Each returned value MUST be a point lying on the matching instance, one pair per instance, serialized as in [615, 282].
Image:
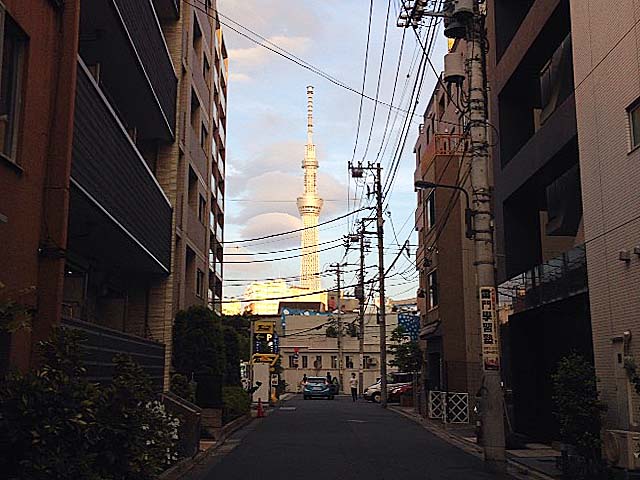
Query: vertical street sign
[490, 346]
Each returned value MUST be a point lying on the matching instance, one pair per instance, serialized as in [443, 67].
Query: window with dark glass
[13, 48]
[334, 361]
[202, 208]
[432, 280]
[431, 210]
[349, 361]
[203, 137]
[199, 283]
[305, 361]
[634, 123]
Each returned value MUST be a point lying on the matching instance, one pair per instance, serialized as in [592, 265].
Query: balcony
[167, 9]
[219, 233]
[102, 344]
[446, 145]
[557, 279]
[118, 210]
[196, 230]
[124, 40]
[198, 155]
[199, 80]
[220, 200]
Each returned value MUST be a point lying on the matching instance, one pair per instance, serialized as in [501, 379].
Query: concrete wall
[606, 70]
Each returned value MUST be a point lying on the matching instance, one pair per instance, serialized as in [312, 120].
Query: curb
[515, 469]
[185, 465]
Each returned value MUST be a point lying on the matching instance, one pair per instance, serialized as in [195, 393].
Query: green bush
[232, 357]
[236, 403]
[181, 386]
[579, 414]
[138, 439]
[57, 425]
[48, 418]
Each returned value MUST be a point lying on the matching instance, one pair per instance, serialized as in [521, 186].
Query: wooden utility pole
[361, 297]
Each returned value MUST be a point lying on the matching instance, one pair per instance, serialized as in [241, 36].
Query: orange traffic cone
[260, 409]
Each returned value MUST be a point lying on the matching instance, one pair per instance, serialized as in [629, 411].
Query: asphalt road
[341, 440]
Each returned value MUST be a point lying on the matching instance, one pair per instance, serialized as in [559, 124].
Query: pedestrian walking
[302, 383]
[329, 379]
[353, 383]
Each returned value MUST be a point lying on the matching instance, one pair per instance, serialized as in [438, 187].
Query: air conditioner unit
[621, 448]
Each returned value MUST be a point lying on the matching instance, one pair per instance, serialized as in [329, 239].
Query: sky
[266, 134]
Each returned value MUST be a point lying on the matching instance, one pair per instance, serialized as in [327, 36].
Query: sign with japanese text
[263, 326]
[488, 329]
[270, 358]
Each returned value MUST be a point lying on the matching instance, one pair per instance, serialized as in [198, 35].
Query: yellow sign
[263, 327]
[270, 358]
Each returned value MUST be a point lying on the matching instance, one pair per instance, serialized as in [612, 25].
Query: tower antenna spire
[309, 115]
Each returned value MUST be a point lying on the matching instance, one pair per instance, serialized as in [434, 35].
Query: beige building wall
[607, 82]
[315, 343]
[266, 297]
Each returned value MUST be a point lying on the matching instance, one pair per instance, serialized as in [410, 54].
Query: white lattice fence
[436, 404]
[450, 407]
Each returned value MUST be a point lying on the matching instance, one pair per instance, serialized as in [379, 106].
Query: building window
[349, 362]
[202, 208]
[305, 361]
[206, 69]
[366, 361]
[432, 280]
[293, 361]
[203, 137]
[199, 283]
[12, 46]
[431, 210]
[334, 361]
[634, 123]
[317, 363]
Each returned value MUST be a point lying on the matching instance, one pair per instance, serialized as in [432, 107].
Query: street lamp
[468, 213]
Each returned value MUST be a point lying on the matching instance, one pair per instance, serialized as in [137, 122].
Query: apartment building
[196, 176]
[607, 96]
[124, 206]
[307, 350]
[450, 328]
[539, 232]
[38, 75]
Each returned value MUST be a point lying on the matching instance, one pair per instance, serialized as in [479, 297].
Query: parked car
[396, 379]
[318, 387]
[396, 392]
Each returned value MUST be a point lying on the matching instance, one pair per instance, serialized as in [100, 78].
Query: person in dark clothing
[329, 379]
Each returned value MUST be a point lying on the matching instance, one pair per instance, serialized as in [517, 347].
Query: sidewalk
[536, 461]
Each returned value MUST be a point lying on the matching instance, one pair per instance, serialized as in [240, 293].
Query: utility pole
[362, 299]
[383, 319]
[339, 322]
[465, 19]
[357, 172]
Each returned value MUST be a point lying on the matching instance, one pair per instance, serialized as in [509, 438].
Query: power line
[286, 54]
[284, 250]
[296, 230]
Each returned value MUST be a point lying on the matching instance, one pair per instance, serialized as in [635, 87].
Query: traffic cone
[260, 409]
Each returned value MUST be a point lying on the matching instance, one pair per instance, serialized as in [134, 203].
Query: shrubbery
[55, 424]
[183, 387]
[236, 403]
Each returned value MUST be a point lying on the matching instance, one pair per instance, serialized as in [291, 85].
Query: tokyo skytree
[309, 206]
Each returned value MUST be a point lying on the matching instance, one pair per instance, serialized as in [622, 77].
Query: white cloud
[239, 77]
[256, 56]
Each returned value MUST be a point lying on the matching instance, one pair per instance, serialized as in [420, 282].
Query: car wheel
[376, 397]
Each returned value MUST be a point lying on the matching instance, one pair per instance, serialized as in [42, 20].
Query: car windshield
[316, 380]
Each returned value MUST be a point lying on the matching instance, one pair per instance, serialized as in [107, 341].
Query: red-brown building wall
[34, 192]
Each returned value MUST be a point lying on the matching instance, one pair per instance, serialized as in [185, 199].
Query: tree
[242, 326]
[406, 352]
[232, 357]
[198, 343]
[578, 409]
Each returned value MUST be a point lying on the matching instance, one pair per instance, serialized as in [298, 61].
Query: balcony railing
[220, 200]
[447, 145]
[198, 78]
[110, 170]
[144, 29]
[556, 279]
[102, 344]
[218, 232]
[196, 231]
